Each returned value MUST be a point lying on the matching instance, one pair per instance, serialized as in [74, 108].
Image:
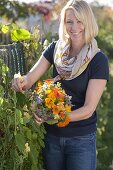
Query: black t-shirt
[97, 69]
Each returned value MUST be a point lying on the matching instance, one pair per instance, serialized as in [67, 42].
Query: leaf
[21, 99]
[33, 167]
[19, 118]
[51, 122]
[14, 26]
[5, 29]
[5, 68]
[41, 143]
[28, 133]
[33, 154]
[1, 101]
[20, 141]
[1, 91]
[20, 34]
[42, 128]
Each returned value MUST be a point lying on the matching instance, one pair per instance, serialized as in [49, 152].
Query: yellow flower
[48, 91]
[68, 108]
[52, 96]
[48, 102]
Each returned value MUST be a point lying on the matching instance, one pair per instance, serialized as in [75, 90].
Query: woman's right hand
[19, 83]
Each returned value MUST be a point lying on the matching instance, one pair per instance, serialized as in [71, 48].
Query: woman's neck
[76, 48]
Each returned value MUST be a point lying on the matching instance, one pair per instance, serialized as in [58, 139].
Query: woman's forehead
[70, 14]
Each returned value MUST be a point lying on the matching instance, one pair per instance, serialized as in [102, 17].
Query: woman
[83, 71]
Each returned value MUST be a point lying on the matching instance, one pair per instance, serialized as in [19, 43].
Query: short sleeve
[99, 67]
[49, 51]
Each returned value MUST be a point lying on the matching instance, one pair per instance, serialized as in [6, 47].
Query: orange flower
[61, 98]
[56, 92]
[61, 106]
[55, 109]
[48, 81]
[64, 123]
[62, 114]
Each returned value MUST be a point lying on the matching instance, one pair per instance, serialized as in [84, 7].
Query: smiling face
[74, 27]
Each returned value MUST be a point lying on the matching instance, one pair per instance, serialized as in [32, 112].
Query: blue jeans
[75, 153]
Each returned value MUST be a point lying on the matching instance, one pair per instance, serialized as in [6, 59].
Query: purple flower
[39, 100]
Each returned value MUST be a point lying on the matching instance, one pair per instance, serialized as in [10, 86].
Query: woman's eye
[78, 21]
[69, 22]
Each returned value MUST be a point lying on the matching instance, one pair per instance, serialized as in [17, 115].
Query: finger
[16, 85]
[23, 85]
[19, 84]
[38, 118]
[39, 123]
[13, 85]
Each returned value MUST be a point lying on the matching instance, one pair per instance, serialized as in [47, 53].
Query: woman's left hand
[38, 119]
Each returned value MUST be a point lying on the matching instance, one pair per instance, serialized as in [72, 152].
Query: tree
[12, 10]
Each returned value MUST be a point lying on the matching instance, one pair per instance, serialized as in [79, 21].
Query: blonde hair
[84, 13]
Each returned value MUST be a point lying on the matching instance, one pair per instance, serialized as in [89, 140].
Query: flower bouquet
[51, 103]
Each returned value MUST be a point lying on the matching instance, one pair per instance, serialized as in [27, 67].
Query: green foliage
[21, 139]
[31, 43]
[105, 110]
[105, 132]
[12, 10]
[17, 34]
[20, 34]
[104, 16]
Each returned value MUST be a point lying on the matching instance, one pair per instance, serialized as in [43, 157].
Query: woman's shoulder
[52, 44]
[100, 57]
[99, 67]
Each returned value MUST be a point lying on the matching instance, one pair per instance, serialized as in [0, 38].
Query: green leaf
[28, 133]
[14, 26]
[41, 143]
[5, 29]
[1, 91]
[20, 34]
[20, 141]
[51, 122]
[19, 118]
[34, 136]
[33, 167]
[42, 128]
[1, 101]
[33, 153]
[5, 68]
[21, 99]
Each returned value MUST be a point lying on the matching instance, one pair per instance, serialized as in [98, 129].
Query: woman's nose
[74, 26]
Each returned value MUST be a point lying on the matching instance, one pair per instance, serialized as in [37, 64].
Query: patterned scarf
[69, 68]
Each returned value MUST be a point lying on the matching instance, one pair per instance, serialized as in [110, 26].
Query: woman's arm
[34, 74]
[38, 70]
[93, 94]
